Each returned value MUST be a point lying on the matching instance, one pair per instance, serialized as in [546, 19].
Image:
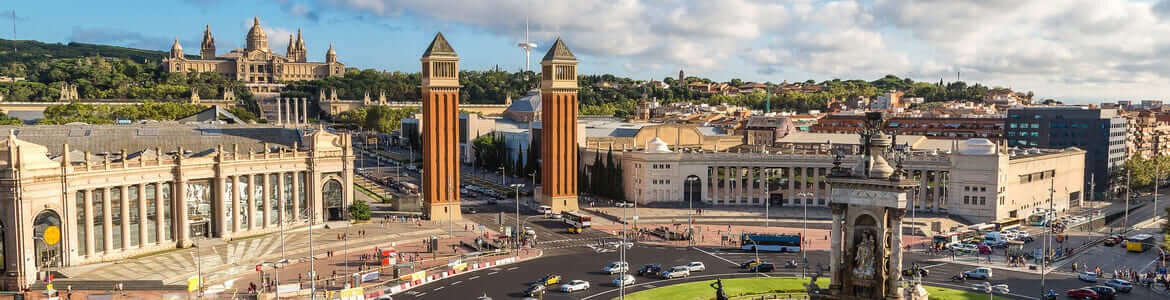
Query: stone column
[218, 225]
[296, 201]
[251, 201]
[790, 193]
[107, 219]
[125, 216]
[280, 198]
[279, 118]
[266, 194]
[937, 192]
[235, 197]
[180, 205]
[159, 216]
[922, 186]
[305, 110]
[895, 271]
[287, 114]
[835, 244]
[89, 222]
[142, 219]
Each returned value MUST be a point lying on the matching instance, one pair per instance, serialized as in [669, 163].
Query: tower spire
[207, 48]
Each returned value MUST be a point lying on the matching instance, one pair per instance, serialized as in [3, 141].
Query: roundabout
[739, 286]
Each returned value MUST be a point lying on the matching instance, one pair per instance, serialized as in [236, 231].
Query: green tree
[359, 210]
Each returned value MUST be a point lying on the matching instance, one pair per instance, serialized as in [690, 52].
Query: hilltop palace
[261, 69]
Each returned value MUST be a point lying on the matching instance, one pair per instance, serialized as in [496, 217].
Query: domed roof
[176, 46]
[256, 31]
[977, 147]
[656, 145]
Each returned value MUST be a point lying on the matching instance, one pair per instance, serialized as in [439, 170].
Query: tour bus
[576, 221]
[770, 242]
[955, 236]
[1139, 243]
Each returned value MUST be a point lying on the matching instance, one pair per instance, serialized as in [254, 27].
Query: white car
[675, 272]
[616, 267]
[624, 204]
[529, 231]
[1087, 276]
[616, 244]
[575, 285]
[624, 280]
[964, 248]
[696, 266]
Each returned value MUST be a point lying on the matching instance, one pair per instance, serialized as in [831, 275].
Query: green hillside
[34, 50]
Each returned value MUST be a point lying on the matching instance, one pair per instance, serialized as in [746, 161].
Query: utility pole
[1047, 240]
[1125, 221]
[312, 261]
[767, 198]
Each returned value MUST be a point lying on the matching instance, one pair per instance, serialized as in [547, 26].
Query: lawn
[702, 290]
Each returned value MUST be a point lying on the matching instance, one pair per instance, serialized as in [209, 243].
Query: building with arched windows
[83, 194]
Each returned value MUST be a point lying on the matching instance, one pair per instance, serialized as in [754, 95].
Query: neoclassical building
[261, 69]
[975, 179]
[82, 194]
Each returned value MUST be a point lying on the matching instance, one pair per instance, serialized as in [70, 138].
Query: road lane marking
[457, 282]
[473, 277]
[934, 265]
[438, 288]
[493, 273]
[419, 295]
[716, 256]
[513, 268]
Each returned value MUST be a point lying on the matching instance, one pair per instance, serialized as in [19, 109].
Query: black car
[534, 290]
[749, 264]
[649, 270]
[470, 210]
[762, 268]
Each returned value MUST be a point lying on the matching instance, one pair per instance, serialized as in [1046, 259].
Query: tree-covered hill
[33, 50]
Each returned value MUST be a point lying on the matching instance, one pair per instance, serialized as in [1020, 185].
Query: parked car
[749, 264]
[616, 267]
[1120, 285]
[1087, 276]
[549, 279]
[470, 210]
[623, 204]
[575, 285]
[649, 270]
[696, 266]
[978, 273]
[964, 248]
[675, 272]
[529, 231]
[534, 290]
[1103, 292]
[762, 268]
[1081, 294]
[623, 280]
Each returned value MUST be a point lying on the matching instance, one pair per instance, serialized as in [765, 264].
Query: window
[80, 200]
[982, 200]
[116, 216]
[135, 218]
[151, 196]
[966, 199]
[966, 189]
[983, 189]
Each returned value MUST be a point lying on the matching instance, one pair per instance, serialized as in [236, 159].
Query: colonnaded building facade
[261, 69]
[82, 194]
[975, 178]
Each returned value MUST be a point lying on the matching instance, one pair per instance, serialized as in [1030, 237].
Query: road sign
[52, 235]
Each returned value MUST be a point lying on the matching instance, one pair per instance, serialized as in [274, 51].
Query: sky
[1070, 50]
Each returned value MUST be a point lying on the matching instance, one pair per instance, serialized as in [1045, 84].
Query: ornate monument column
[870, 198]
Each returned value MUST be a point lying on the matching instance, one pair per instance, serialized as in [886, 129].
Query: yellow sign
[49, 287]
[52, 235]
[193, 283]
[459, 267]
[416, 276]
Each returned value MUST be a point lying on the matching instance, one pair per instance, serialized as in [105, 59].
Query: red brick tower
[558, 138]
[440, 131]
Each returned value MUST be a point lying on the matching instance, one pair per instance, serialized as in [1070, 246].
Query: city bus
[770, 242]
[1139, 243]
[1042, 218]
[576, 221]
[1008, 223]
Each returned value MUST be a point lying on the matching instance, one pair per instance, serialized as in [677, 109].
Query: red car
[1081, 294]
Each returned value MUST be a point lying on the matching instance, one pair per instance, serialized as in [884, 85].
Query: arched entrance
[693, 189]
[47, 239]
[332, 197]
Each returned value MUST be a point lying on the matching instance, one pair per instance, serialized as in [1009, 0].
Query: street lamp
[275, 275]
[502, 179]
[516, 187]
[804, 232]
[691, 208]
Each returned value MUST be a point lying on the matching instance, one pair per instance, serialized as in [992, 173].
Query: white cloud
[1051, 46]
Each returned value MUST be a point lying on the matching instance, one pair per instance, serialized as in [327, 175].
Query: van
[544, 210]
